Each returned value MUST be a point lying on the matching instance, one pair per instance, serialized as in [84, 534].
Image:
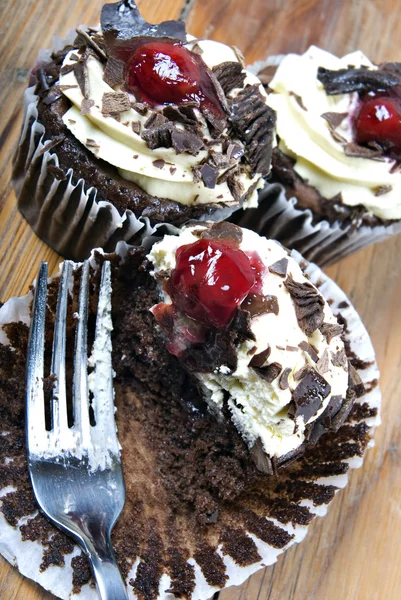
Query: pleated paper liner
[277, 217]
[162, 553]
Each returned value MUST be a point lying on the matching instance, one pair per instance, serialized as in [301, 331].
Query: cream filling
[263, 413]
[305, 135]
[116, 142]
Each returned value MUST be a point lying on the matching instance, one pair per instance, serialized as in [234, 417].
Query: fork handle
[108, 578]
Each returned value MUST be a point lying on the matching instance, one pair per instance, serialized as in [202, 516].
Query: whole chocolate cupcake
[230, 364]
[136, 124]
[338, 154]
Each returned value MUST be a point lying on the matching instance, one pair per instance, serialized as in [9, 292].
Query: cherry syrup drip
[209, 282]
[166, 73]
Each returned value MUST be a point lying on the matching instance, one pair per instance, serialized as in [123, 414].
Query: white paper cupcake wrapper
[67, 214]
[324, 243]
[27, 555]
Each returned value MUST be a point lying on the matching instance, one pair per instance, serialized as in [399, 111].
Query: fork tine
[80, 394]
[35, 411]
[59, 393]
[101, 380]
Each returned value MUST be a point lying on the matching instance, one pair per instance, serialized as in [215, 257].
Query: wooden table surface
[353, 553]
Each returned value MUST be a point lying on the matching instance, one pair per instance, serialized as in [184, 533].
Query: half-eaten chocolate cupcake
[220, 413]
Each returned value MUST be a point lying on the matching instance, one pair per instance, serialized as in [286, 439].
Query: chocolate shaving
[114, 103]
[260, 458]
[259, 359]
[355, 382]
[91, 143]
[136, 127]
[186, 141]
[339, 359]
[345, 81]
[209, 176]
[155, 120]
[180, 114]
[334, 119]
[159, 164]
[301, 372]
[167, 135]
[308, 305]
[88, 40]
[63, 71]
[309, 394]
[86, 106]
[357, 151]
[223, 231]
[81, 75]
[257, 304]
[230, 75]
[291, 348]
[270, 372]
[140, 108]
[323, 363]
[309, 350]
[283, 381]
[253, 122]
[340, 417]
[279, 267]
[298, 100]
[383, 189]
[113, 73]
[330, 330]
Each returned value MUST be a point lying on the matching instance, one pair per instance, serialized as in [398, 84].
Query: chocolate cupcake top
[337, 118]
[239, 314]
[180, 117]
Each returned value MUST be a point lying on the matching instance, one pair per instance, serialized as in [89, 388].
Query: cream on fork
[76, 469]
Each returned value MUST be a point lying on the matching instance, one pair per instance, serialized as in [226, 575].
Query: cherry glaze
[165, 73]
[210, 280]
[379, 120]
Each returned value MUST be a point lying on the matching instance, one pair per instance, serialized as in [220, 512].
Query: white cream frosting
[305, 135]
[263, 413]
[115, 141]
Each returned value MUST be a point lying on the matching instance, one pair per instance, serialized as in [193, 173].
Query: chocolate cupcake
[218, 483]
[335, 184]
[134, 124]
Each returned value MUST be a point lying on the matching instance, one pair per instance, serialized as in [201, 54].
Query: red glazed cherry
[210, 280]
[164, 73]
[379, 120]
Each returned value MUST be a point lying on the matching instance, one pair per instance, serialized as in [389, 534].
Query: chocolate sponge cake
[203, 511]
[133, 124]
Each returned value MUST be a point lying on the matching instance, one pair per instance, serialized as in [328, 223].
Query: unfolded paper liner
[27, 555]
[277, 217]
[67, 214]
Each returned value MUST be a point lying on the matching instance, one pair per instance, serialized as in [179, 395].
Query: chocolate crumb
[279, 267]
[159, 164]
[283, 381]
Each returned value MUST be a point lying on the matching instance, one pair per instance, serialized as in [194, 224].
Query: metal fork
[76, 471]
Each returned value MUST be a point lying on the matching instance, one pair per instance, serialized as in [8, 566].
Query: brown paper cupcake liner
[262, 524]
[277, 217]
[67, 214]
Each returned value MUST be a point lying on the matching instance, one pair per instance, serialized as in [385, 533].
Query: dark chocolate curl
[123, 27]
[345, 81]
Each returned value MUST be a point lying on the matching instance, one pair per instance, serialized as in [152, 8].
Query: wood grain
[353, 553]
